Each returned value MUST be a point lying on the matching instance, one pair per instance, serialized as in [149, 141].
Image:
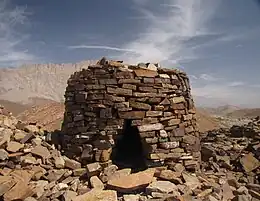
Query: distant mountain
[245, 113]
[221, 110]
[43, 81]
[206, 102]
[28, 83]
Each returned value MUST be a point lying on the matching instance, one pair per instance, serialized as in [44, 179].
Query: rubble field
[34, 168]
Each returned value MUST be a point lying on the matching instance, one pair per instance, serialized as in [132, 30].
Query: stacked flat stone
[99, 99]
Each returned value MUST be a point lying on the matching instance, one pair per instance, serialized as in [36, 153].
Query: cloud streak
[100, 47]
[11, 39]
[166, 35]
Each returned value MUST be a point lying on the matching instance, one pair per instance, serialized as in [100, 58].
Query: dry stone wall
[156, 101]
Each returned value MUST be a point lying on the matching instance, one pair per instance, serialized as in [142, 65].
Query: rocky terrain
[33, 167]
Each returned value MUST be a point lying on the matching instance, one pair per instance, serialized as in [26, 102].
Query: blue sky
[215, 41]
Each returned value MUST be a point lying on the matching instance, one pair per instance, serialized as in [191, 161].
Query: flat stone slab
[162, 187]
[97, 195]
[132, 182]
[150, 127]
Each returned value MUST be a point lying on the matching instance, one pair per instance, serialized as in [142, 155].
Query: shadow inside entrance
[128, 151]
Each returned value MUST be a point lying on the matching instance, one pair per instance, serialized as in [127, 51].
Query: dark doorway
[128, 151]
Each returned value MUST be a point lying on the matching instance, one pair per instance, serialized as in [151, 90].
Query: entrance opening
[128, 151]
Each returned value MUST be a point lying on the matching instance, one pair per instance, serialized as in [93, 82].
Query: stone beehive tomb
[136, 116]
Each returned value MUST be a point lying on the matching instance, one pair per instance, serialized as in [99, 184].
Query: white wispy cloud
[100, 47]
[208, 77]
[166, 34]
[236, 84]
[11, 39]
[204, 77]
[172, 32]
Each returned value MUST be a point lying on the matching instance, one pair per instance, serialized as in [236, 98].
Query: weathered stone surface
[97, 195]
[191, 181]
[173, 122]
[71, 164]
[93, 169]
[169, 145]
[19, 135]
[31, 129]
[131, 197]
[139, 105]
[96, 183]
[154, 113]
[132, 182]
[120, 173]
[41, 151]
[178, 132]
[69, 195]
[162, 187]
[19, 192]
[170, 176]
[249, 162]
[150, 127]
[59, 162]
[178, 99]
[6, 183]
[132, 115]
[3, 154]
[14, 146]
[145, 73]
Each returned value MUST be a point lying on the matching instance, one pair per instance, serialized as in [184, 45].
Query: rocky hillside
[245, 113]
[46, 81]
[49, 115]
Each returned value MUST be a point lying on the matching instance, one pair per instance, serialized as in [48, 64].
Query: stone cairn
[100, 99]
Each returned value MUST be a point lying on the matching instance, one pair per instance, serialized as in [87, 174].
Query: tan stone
[5, 135]
[138, 105]
[105, 155]
[97, 195]
[120, 173]
[96, 183]
[145, 73]
[22, 176]
[19, 135]
[31, 128]
[14, 146]
[178, 99]
[41, 151]
[157, 156]
[93, 169]
[154, 113]
[3, 154]
[71, 164]
[129, 81]
[132, 182]
[162, 187]
[170, 176]
[132, 115]
[6, 183]
[150, 127]
[173, 122]
[249, 162]
[19, 192]
[191, 181]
